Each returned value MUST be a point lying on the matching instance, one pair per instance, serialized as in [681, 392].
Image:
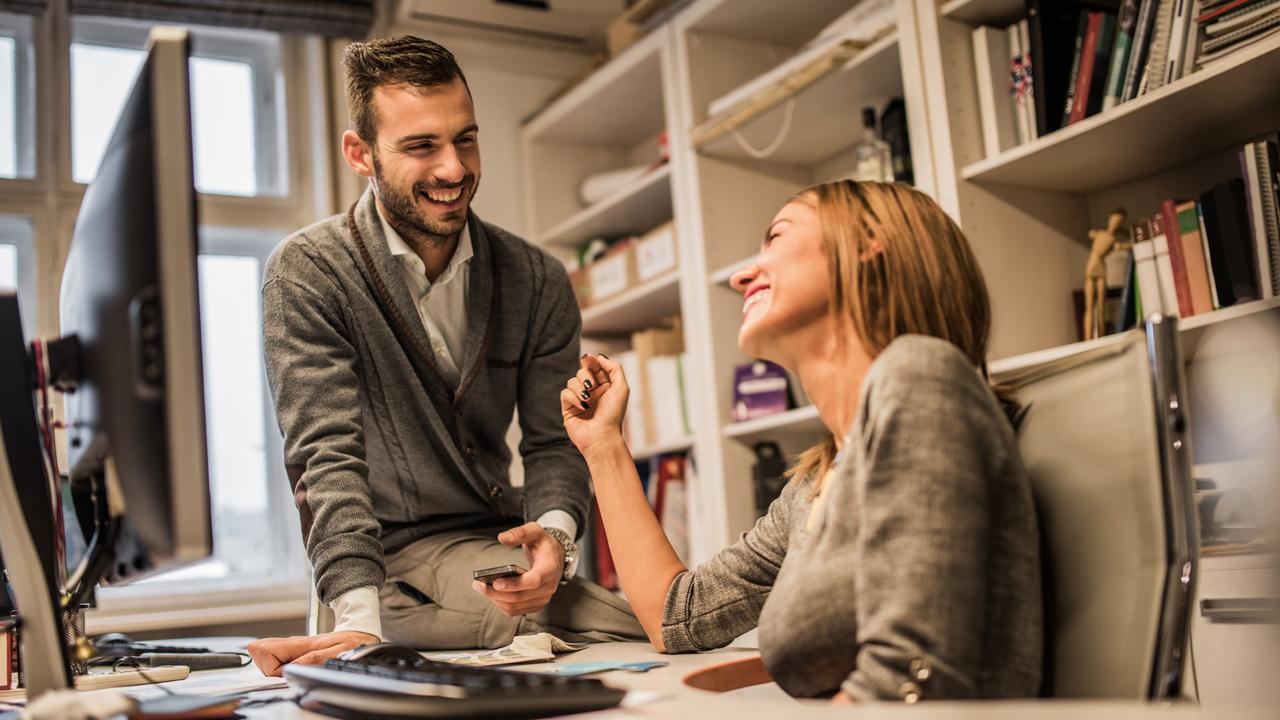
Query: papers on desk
[541, 647]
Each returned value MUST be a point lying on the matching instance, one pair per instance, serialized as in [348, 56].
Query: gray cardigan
[919, 574]
[379, 448]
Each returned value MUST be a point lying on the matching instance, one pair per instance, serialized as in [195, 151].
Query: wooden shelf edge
[557, 235]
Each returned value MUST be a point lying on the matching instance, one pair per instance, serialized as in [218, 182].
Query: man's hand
[272, 654]
[530, 592]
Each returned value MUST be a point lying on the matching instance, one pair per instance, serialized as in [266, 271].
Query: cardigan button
[921, 670]
[470, 452]
[495, 492]
[909, 692]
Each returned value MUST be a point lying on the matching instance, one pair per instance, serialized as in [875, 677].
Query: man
[400, 337]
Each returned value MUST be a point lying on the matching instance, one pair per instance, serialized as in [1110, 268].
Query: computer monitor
[130, 358]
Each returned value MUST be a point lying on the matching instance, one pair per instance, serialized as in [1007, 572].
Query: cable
[45, 423]
[133, 663]
[773, 146]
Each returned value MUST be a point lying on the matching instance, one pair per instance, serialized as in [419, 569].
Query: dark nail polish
[585, 395]
[586, 384]
[586, 405]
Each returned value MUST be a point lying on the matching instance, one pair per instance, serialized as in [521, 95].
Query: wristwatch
[570, 553]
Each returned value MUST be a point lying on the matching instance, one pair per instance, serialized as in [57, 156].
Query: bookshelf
[648, 452]
[1026, 212]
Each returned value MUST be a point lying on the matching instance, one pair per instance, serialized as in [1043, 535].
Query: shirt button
[921, 670]
[495, 492]
[909, 692]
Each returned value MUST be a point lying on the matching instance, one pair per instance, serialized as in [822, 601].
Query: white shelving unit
[1026, 212]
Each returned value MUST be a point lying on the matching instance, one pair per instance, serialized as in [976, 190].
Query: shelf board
[760, 20]
[636, 308]
[651, 451]
[618, 105]
[632, 210]
[827, 114]
[802, 423]
[724, 274]
[984, 12]
[1188, 329]
[1229, 102]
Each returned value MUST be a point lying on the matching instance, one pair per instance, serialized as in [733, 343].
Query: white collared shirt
[442, 307]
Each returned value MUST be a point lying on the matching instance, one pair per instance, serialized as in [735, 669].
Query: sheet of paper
[590, 668]
[541, 647]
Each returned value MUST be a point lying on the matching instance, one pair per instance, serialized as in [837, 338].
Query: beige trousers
[428, 602]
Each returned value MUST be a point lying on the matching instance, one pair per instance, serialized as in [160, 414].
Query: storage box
[580, 279]
[656, 252]
[613, 274]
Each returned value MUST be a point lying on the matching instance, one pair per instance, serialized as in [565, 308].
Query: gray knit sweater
[919, 573]
[379, 448]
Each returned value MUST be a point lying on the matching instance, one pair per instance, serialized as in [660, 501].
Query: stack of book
[657, 413]
[1070, 59]
[1214, 251]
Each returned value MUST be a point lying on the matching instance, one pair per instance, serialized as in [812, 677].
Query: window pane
[223, 126]
[9, 268]
[101, 78]
[8, 107]
[234, 402]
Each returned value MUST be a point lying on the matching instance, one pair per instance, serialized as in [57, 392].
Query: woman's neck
[831, 370]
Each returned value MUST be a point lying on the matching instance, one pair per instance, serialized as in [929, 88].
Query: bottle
[874, 158]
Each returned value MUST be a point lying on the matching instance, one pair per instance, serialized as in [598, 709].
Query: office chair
[1104, 440]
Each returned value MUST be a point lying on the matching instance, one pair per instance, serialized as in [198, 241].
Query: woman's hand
[594, 401]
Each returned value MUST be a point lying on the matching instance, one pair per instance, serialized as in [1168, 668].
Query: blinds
[329, 18]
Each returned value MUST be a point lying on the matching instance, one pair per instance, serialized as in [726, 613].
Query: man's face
[426, 158]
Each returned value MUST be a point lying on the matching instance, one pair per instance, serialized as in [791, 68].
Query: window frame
[19, 231]
[21, 28]
[51, 200]
[271, 158]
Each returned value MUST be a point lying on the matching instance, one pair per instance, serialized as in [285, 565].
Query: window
[18, 267]
[17, 97]
[236, 97]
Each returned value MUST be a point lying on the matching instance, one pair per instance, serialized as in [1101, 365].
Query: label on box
[609, 276]
[759, 388]
[656, 253]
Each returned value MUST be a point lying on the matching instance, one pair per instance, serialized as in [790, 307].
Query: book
[1230, 254]
[1257, 173]
[1051, 30]
[606, 573]
[993, 70]
[1237, 29]
[635, 423]
[666, 395]
[1086, 37]
[1177, 262]
[664, 340]
[1028, 91]
[1193, 257]
[1144, 262]
[1097, 80]
[1128, 293]
[1269, 159]
[669, 505]
[1164, 266]
[1178, 31]
[1208, 261]
[1159, 54]
[1141, 45]
[1125, 24]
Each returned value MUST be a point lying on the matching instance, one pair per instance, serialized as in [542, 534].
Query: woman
[901, 561]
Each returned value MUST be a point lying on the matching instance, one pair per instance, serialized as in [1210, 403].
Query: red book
[1087, 52]
[1177, 258]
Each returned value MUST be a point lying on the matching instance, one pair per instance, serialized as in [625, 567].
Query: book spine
[1086, 35]
[1030, 81]
[1164, 266]
[1193, 258]
[1155, 70]
[1128, 20]
[1177, 263]
[1254, 186]
[1177, 40]
[1138, 55]
[1101, 57]
[1127, 293]
[1035, 27]
[993, 72]
[1271, 208]
[1144, 260]
[1208, 258]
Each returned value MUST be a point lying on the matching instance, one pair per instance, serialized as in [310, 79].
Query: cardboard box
[656, 252]
[580, 279]
[613, 274]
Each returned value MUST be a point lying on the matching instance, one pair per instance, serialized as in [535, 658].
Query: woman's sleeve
[930, 447]
[709, 606]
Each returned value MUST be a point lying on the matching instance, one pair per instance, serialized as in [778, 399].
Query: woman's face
[785, 292]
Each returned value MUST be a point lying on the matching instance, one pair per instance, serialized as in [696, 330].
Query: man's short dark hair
[392, 61]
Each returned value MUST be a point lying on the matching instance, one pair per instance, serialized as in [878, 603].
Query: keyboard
[426, 688]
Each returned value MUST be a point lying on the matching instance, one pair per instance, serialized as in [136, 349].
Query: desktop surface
[659, 693]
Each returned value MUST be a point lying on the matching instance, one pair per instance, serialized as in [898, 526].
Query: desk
[768, 702]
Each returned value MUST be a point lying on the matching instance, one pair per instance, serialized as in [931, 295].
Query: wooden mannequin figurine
[1095, 272]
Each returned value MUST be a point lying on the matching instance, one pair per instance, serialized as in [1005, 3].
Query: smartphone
[488, 575]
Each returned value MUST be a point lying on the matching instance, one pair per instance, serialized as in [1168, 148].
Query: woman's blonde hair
[898, 265]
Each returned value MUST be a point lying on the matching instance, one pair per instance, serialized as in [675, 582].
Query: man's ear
[357, 153]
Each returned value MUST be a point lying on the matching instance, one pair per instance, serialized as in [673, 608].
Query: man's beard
[409, 220]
